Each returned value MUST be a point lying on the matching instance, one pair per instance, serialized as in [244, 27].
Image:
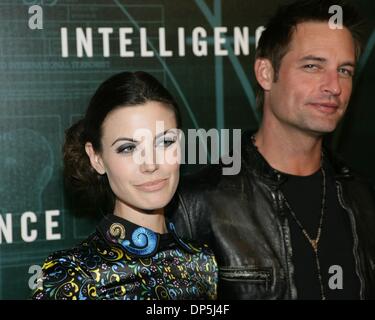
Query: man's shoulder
[208, 176]
[209, 179]
[346, 172]
[356, 183]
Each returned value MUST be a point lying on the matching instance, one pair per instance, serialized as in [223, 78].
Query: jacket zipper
[355, 237]
[253, 275]
[287, 247]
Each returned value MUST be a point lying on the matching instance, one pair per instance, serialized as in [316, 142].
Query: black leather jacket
[244, 220]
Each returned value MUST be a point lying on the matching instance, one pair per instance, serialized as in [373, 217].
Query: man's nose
[331, 83]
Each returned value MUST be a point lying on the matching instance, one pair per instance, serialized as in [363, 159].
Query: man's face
[315, 79]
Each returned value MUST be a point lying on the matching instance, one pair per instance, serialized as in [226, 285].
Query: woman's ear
[95, 160]
[264, 73]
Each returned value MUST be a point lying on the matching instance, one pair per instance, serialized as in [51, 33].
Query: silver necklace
[314, 242]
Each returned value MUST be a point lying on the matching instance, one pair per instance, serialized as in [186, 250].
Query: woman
[127, 150]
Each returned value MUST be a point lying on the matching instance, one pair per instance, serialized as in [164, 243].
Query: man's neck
[290, 151]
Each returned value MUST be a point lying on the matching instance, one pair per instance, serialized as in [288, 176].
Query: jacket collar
[138, 241]
[254, 162]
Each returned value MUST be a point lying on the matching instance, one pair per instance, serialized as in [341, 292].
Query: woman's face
[140, 155]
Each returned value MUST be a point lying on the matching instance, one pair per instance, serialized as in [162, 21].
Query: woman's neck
[152, 219]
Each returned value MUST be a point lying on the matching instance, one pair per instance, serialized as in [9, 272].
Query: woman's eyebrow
[122, 139]
[135, 141]
[162, 133]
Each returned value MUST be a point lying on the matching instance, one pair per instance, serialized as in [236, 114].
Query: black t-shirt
[335, 249]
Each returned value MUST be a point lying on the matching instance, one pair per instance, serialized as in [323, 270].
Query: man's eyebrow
[348, 63]
[122, 139]
[321, 59]
[314, 58]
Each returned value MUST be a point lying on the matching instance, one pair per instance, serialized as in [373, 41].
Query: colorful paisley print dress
[125, 261]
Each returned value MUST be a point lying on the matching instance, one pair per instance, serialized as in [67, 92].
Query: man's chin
[322, 127]
[321, 131]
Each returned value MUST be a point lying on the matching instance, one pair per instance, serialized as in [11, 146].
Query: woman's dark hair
[275, 39]
[91, 190]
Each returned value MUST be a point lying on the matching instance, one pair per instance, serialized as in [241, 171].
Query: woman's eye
[126, 148]
[166, 142]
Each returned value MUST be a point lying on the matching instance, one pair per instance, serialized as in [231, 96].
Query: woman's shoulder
[68, 273]
[76, 253]
[193, 246]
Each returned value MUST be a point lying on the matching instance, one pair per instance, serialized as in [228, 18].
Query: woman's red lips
[152, 185]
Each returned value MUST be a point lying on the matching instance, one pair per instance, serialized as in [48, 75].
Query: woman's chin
[155, 204]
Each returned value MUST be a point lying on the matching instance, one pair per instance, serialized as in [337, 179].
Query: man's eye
[346, 72]
[311, 67]
[126, 148]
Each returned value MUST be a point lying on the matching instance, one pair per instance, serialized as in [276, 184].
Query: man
[295, 223]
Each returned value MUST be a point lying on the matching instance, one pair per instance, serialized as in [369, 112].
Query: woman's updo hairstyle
[88, 189]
